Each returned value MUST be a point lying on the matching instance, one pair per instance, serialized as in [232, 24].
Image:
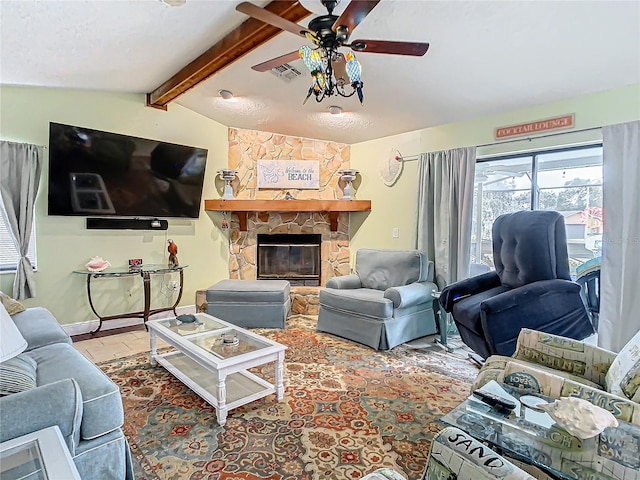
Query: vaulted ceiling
[485, 57]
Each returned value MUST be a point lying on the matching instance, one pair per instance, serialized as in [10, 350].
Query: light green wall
[395, 206]
[64, 244]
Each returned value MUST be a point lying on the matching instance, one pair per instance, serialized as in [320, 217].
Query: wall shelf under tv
[243, 207]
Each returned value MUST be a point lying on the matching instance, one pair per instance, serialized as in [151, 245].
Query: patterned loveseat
[561, 367]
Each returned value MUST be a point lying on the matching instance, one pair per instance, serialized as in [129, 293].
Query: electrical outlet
[395, 232]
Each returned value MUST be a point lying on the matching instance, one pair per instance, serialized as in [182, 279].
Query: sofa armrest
[465, 458]
[552, 306]
[573, 356]
[345, 282]
[464, 288]
[58, 403]
[412, 294]
[39, 328]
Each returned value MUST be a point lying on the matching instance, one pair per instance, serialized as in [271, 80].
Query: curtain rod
[402, 158]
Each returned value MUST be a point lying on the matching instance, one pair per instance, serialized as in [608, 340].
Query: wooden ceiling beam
[248, 36]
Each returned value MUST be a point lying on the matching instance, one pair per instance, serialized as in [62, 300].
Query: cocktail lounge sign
[557, 123]
[300, 174]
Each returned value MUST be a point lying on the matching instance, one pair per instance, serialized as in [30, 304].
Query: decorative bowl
[97, 264]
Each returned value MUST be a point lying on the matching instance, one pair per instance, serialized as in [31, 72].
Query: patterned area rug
[347, 410]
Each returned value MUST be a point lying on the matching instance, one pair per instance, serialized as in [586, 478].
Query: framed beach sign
[300, 174]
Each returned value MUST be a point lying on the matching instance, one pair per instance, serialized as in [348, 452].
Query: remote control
[494, 400]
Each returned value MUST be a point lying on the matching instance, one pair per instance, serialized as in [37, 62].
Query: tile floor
[115, 346]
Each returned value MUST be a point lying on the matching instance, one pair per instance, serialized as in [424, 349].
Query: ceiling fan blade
[276, 62]
[271, 18]
[354, 14]
[383, 46]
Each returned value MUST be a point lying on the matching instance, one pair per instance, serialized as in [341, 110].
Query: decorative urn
[227, 175]
[348, 175]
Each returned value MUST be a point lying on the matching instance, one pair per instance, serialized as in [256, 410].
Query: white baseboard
[90, 325]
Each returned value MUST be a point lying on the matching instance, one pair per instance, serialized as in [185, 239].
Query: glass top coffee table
[212, 358]
[533, 438]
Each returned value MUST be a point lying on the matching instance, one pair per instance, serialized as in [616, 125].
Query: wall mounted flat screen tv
[95, 173]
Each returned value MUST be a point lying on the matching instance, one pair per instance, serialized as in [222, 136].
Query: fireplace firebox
[293, 257]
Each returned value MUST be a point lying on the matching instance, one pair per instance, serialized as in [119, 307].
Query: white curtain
[620, 273]
[20, 167]
[445, 203]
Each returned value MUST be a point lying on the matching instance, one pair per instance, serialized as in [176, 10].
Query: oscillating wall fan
[331, 70]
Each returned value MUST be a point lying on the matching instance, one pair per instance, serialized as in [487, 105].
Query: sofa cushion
[516, 235]
[102, 405]
[12, 306]
[539, 379]
[525, 375]
[381, 269]
[255, 291]
[365, 301]
[17, 374]
[39, 327]
[623, 376]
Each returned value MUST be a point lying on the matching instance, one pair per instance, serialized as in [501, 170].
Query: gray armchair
[388, 301]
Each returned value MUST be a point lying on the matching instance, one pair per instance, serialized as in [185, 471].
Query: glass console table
[143, 271]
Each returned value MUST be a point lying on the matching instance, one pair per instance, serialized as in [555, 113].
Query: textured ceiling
[485, 57]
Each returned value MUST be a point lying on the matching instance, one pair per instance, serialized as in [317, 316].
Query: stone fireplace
[246, 147]
[255, 212]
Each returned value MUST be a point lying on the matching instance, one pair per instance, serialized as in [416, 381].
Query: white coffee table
[217, 372]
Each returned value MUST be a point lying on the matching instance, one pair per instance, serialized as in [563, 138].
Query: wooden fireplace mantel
[243, 207]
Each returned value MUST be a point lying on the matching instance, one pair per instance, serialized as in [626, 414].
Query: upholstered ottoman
[250, 303]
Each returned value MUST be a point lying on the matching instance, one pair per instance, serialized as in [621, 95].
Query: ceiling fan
[331, 70]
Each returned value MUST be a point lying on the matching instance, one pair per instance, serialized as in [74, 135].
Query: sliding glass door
[568, 180]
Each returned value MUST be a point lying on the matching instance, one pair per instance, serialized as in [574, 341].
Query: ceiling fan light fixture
[332, 73]
[174, 3]
[335, 110]
[225, 94]
[318, 7]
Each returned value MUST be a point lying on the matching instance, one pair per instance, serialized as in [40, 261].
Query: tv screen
[95, 173]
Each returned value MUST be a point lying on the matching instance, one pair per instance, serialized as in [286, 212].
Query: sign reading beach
[300, 174]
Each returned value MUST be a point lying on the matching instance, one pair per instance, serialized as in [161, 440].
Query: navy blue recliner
[531, 287]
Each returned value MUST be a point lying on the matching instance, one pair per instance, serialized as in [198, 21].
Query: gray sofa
[71, 393]
[388, 301]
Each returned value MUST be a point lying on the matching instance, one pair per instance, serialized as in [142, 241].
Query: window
[8, 254]
[568, 180]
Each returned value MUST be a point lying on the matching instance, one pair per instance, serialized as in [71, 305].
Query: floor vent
[286, 72]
